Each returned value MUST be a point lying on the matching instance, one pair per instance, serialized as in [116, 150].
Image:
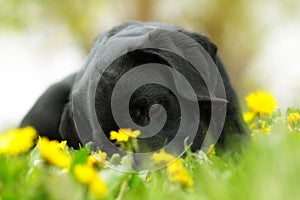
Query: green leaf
[136, 182]
[80, 157]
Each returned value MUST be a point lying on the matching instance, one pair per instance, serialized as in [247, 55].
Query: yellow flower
[176, 170]
[293, 118]
[54, 152]
[178, 174]
[86, 174]
[124, 134]
[98, 187]
[97, 158]
[17, 140]
[163, 157]
[119, 136]
[130, 133]
[62, 145]
[248, 116]
[261, 103]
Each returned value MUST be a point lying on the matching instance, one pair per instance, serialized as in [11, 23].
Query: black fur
[52, 113]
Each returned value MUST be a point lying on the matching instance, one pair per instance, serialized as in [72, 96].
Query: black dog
[53, 114]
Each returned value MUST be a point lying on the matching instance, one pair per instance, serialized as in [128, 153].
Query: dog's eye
[137, 112]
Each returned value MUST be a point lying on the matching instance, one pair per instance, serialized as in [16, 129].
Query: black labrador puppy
[53, 113]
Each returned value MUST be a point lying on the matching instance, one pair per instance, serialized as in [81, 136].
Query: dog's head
[150, 100]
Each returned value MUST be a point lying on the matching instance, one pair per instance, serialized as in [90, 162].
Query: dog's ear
[198, 76]
[204, 41]
[67, 128]
[210, 47]
[46, 113]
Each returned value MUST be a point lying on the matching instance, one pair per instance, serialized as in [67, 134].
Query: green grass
[267, 167]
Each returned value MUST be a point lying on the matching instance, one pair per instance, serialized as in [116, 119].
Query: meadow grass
[265, 166]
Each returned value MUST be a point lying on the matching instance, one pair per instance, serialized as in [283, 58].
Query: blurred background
[42, 41]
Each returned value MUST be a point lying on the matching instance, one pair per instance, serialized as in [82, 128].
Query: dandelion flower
[123, 134]
[163, 157]
[98, 187]
[178, 174]
[17, 141]
[120, 137]
[62, 145]
[54, 152]
[293, 119]
[176, 170]
[261, 103]
[97, 158]
[248, 116]
[87, 175]
[130, 133]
